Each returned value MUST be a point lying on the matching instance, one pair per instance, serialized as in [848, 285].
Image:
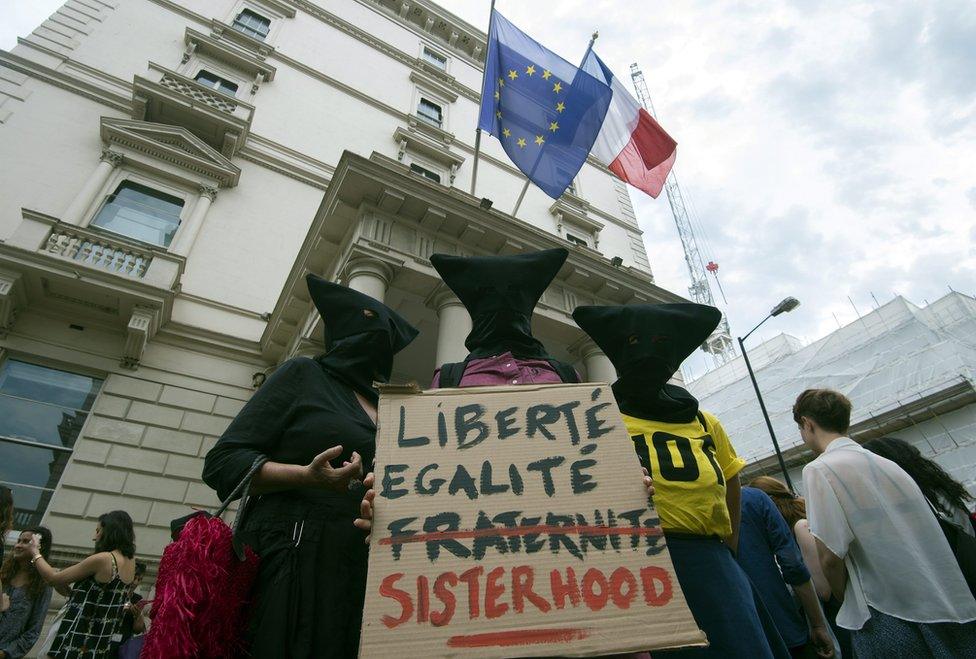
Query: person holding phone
[28, 595]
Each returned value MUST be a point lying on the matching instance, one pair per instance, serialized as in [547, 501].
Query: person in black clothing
[500, 294]
[314, 420]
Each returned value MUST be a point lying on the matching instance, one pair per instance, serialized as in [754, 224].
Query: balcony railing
[167, 97]
[98, 253]
[44, 236]
[217, 101]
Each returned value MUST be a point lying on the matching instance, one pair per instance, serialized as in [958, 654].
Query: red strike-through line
[517, 637]
[520, 531]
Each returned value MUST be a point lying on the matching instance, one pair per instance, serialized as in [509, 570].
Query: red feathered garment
[202, 593]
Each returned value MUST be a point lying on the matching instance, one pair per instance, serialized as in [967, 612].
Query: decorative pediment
[172, 144]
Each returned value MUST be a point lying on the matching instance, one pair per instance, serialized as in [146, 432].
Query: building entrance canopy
[375, 230]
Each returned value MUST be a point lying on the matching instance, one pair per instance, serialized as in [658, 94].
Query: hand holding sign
[365, 520]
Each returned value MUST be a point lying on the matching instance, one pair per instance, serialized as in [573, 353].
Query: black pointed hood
[361, 334]
[500, 294]
[647, 344]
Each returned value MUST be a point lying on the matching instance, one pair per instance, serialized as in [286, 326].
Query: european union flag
[546, 112]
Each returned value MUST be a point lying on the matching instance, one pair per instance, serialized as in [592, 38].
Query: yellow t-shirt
[690, 467]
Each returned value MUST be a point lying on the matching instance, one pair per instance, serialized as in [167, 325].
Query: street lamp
[787, 305]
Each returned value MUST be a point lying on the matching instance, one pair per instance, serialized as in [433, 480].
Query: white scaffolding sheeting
[885, 360]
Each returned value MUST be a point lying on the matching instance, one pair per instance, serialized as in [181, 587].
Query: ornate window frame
[222, 58]
[166, 158]
[275, 10]
[573, 219]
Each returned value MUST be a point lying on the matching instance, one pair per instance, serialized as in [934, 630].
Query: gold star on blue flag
[547, 123]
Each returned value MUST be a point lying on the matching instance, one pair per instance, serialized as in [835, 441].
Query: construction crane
[719, 345]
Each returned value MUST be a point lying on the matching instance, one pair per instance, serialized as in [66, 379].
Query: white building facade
[171, 171]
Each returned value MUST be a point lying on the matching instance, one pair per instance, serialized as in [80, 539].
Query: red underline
[517, 637]
[522, 530]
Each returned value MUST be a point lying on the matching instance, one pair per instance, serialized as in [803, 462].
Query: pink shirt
[503, 369]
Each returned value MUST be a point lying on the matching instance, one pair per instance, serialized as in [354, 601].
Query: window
[430, 112]
[217, 83]
[141, 213]
[576, 240]
[426, 173]
[252, 24]
[435, 58]
[41, 413]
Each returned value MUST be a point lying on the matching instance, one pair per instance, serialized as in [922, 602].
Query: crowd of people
[102, 612]
[860, 567]
[765, 573]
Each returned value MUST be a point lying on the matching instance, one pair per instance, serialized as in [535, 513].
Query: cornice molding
[414, 140]
[284, 8]
[378, 44]
[575, 214]
[290, 163]
[214, 343]
[74, 84]
[474, 35]
[430, 82]
[588, 277]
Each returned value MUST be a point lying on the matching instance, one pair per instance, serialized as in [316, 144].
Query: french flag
[634, 146]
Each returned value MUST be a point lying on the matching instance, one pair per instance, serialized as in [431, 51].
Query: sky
[827, 149]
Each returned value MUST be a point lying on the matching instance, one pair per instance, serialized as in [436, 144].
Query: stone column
[598, 366]
[75, 212]
[453, 326]
[369, 276]
[187, 234]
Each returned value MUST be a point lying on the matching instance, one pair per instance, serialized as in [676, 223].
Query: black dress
[312, 580]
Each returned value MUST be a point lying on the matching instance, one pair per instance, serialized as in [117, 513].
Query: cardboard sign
[513, 521]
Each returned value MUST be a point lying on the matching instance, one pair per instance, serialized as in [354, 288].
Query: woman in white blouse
[879, 544]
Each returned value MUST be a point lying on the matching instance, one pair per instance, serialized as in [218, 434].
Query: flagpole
[525, 188]
[477, 132]
[589, 46]
[520, 197]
